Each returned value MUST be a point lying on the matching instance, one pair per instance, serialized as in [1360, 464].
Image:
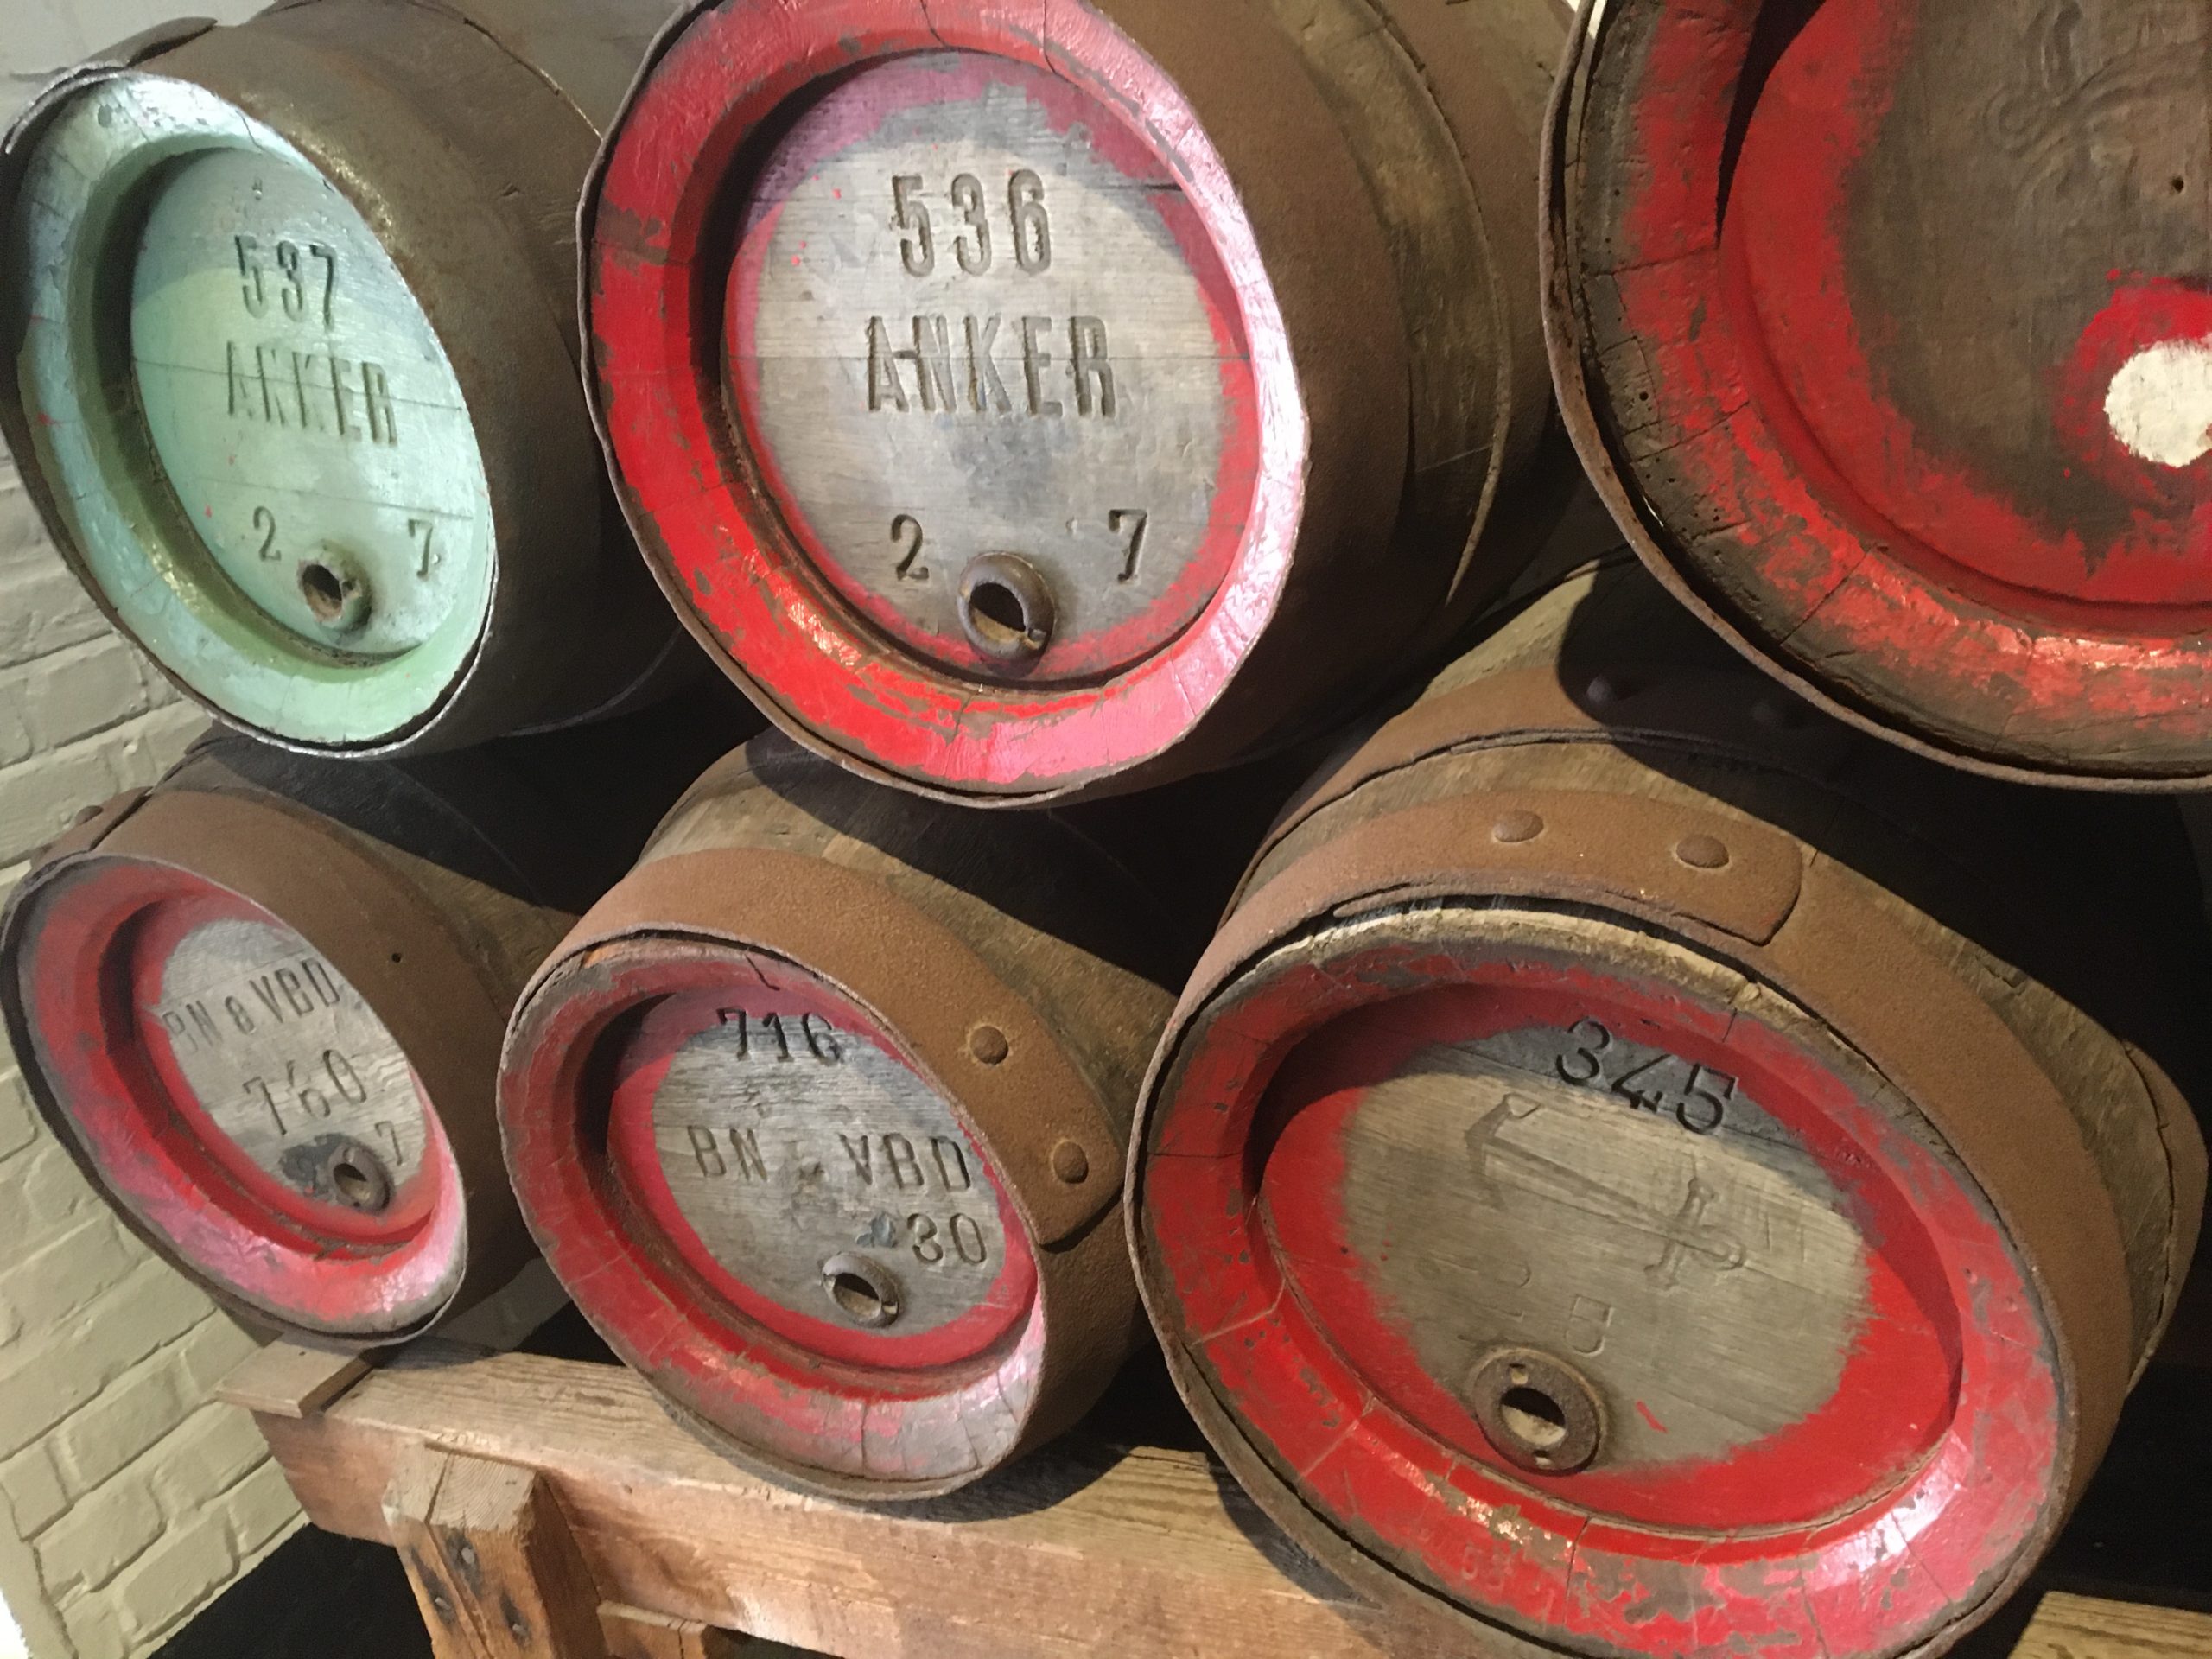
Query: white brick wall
[127, 1499]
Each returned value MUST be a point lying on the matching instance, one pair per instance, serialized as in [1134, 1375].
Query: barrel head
[236, 1096]
[244, 415]
[1890, 327]
[1536, 1215]
[291, 1065]
[973, 314]
[775, 1211]
[806, 1168]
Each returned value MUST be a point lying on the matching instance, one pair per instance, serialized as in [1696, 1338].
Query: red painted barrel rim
[1901, 630]
[1516, 1547]
[783, 1388]
[134, 1119]
[721, 549]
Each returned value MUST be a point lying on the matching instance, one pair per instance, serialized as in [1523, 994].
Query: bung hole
[856, 1296]
[323, 591]
[353, 1185]
[996, 603]
[1533, 1417]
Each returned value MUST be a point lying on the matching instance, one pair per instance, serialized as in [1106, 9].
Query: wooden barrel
[821, 1115]
[1022, 401]
[261, 1004]
[1651, 1171]
[1886, 327]
[293, 362]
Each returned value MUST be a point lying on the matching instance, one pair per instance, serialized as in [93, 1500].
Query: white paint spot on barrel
[2160, 403]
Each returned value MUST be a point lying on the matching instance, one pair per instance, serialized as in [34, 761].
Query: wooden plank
[408, 1501]
[2082, 1627]
[1078, 1550]
[1074, 1552]
[491, 1559]
[287, 1379]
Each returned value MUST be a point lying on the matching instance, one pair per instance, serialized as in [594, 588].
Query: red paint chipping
[583, 1063]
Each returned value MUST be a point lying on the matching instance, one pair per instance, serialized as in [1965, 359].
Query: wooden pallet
[547, 1508]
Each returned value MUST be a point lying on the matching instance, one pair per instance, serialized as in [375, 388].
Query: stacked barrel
[1026, 401]
[292, 361]
[1882, 326]
[1625, 1099]
[1650, 1156]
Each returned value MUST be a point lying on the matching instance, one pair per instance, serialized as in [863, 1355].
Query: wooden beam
[1078, 1550]
[491, 1560]
[1075, 1552]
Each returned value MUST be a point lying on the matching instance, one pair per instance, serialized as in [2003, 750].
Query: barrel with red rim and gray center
[1887, 328]
[1647, 1168]
[292, 374]
[1028, 400]
[261, 1005]
[821, 1117]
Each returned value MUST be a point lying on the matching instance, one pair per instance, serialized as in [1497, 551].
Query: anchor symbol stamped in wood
[1688, 1236]
[1685, 1234]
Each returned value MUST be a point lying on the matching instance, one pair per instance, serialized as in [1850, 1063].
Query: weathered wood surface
[784, 1159]
[1080, 1550]
[1006, 353]
[1565, 1187]
[491, 1560]
[287, 1379]
[2065, 1626]
[633, 1635]
[291, 1064]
